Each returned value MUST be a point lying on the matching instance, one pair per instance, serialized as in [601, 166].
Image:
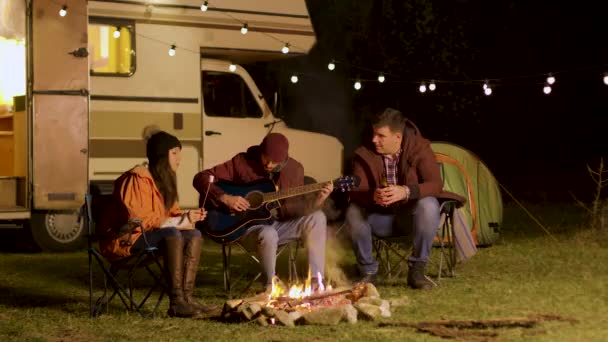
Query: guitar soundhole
[255, 198]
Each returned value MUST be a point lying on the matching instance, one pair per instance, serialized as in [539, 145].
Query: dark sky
[535, 144]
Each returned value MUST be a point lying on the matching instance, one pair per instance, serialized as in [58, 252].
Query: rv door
[60, 121]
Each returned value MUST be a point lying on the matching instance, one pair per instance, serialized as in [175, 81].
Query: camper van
[80, 81]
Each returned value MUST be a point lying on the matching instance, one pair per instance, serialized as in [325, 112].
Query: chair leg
[226, 251]
[447, 249]
[293, 255]
[91, 308]
[118, 289]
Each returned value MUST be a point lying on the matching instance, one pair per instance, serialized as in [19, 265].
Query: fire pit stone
[361, 301]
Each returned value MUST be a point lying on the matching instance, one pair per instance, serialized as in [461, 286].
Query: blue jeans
[156, 237]
[312, 229]
[422, 217]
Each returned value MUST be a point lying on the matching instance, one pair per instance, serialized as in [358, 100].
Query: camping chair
[292, 247]
[128, 266]
[390, 248]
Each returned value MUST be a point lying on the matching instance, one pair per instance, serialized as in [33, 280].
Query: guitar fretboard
[291, 192]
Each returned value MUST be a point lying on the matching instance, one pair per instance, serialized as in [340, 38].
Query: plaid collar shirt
[390, 167]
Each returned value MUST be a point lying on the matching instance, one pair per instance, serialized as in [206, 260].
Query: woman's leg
[154, 238]
[174, 265]
[193, 243]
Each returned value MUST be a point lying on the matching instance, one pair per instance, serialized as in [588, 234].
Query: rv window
[112, 48]
[226, 94]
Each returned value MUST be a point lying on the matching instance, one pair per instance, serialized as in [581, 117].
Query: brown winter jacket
[135, 196]
[246, 167]
[418, 169]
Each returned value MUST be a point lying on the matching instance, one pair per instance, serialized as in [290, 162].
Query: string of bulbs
[424, 86]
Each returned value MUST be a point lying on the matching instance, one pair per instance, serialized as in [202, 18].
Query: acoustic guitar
[223, 226]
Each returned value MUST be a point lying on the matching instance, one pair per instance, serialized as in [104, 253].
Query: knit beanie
[275, 146]
[159, 144]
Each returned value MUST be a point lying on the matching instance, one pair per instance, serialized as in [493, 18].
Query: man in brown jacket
[400, 179]
[270, 159]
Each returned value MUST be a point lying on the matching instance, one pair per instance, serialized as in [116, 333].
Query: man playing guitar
[296, 219]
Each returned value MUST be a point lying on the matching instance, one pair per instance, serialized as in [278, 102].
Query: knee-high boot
[192, 254]
[174, 265]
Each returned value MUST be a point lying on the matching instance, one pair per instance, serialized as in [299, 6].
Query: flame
[277, 289]
[296, 291]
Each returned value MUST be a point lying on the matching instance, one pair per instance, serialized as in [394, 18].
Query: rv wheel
[58, 231]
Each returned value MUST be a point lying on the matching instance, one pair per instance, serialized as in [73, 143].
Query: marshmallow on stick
[211, 179]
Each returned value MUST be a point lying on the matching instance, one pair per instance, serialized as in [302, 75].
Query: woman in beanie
[149, 194]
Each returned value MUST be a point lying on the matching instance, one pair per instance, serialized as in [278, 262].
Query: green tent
[465, 174]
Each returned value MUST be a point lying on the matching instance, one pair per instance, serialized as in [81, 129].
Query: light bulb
[381, 78]
[550, 79]
[232, 67]
[606, 80]
[422, 88]
[116, 33]
[294, 79]
[432, 86]
[205, 6]
[244, 29]
[357, 85]
[63, 11]
[487, 90]
[285, 48]
[331, 65]
[547, 89]
[172, 51]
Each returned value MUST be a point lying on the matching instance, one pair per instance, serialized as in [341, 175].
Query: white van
[103, 72]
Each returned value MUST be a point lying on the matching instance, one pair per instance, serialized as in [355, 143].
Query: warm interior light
[12, 69]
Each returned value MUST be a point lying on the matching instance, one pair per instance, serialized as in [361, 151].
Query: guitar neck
[292, 192]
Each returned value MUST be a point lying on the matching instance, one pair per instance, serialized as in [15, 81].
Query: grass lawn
[44, 297]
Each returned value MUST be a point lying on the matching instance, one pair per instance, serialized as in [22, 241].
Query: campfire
[308, 303]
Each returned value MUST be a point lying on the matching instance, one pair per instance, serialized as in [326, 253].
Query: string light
[422, 88]
[547, 89]
[487, 89]
[332, 65]
[285, 48]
